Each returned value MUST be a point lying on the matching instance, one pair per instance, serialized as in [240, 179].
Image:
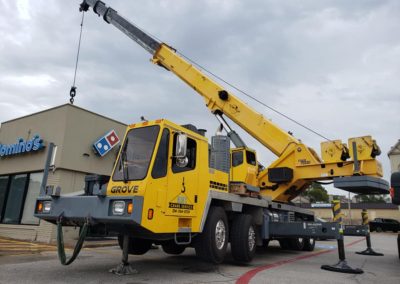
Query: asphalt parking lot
[271, 265]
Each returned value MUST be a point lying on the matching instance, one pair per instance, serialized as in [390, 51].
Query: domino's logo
[105, 143]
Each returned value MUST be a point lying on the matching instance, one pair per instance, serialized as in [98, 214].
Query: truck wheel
[172, 248]
[211, 244]
[378, 229]
[243, 238]
[296, 243]
[137, 246]
[309, 244]
[284, 243]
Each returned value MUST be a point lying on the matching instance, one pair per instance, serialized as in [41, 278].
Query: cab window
[161, 161]
[237, 158]
[136, 153]
[190, 154]
[251, 158]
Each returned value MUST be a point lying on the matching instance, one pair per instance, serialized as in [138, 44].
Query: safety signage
[105, 143]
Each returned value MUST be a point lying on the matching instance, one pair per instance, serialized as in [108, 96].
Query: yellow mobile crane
[169, 186]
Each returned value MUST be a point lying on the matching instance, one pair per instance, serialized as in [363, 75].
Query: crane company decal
[21, 146]
[304, 162]
[125, 189]
[181, 204]
[105, 143]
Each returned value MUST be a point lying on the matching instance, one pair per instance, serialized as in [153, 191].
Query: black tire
[172, 248]
[296, 243]
[137, 246]
[379, 229]
[284, 243]
[309, 244]
[206, 243]
[243, 238]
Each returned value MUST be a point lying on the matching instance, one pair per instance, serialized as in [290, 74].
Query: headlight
[118, 207]
[46, 206]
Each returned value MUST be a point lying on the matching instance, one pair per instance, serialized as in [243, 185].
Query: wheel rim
[220, 234]
[252, 238]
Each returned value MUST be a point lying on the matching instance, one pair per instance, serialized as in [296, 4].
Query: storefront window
[3, 194]
[15, 199]
[35, 181]
[18, 195]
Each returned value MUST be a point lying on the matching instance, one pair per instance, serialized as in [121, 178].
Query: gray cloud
[333, 65]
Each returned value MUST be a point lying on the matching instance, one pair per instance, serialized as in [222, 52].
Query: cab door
[183, 180]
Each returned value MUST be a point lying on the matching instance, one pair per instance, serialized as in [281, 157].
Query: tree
[316, 193]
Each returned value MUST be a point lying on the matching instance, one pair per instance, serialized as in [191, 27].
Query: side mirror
[181, 145]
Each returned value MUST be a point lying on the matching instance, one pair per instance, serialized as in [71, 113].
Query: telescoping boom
[297, 165]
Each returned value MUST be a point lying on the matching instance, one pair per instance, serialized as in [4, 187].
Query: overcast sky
[332, 65]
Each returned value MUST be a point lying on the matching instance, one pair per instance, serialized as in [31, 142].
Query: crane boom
[297, 165]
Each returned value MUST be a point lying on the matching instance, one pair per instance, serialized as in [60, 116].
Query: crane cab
[164, 164]
[244, 166]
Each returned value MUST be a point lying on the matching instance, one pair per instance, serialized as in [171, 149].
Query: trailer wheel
[137, 246]
[211, 244]
[172, 248]
[309, 244]
[243, 238]
[296, 243]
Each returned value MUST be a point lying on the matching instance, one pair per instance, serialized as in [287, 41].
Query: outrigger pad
[362, 184]
[369, 251]
[124, 268]
[342, 267]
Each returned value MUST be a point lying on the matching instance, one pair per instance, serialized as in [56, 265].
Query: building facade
[23, 150]
[394, 156]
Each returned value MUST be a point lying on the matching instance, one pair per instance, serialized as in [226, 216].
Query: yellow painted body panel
[332, 151]
[365, 146]
[308, 168]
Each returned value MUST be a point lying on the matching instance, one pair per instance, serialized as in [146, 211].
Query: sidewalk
[17, 247]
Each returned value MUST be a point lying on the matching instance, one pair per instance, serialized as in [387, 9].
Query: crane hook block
[83, 7]
[72, 92]
[223, 95]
